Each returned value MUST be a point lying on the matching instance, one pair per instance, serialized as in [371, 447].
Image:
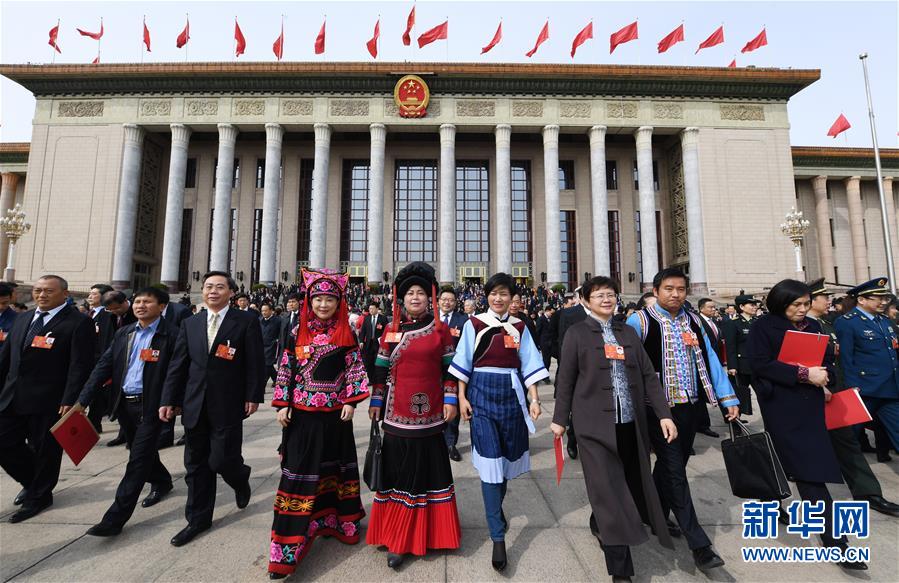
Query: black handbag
[753, 468]
[372, 473]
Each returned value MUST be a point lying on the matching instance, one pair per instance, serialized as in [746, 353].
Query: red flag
[278, 47]
[54, 32]
[96, 60]
[541, 38]
[758, 42]
[93, 35]
[498, 36]
[184, 36]
[372, 44]
[320, 40]
[410, 22]
[839, 126]
[716, 38]
[674, 37]
[626, 34]
[582, 37]
[439, 32]
[147, 36]
[733, 64]
[241, 41]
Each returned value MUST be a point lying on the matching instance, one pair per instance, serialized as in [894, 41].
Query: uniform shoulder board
[849, 316]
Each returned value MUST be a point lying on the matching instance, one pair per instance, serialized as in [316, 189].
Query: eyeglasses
[607, 296]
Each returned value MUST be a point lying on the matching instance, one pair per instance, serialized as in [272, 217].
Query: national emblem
[411, 95]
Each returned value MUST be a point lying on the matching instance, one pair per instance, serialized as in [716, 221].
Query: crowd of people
[631, 380]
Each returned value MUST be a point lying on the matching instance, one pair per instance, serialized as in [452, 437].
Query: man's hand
[733, 413]
[558, 430]
[250, 408]
[732, 372]
[449, 412]
[166, 413]
[669, 429]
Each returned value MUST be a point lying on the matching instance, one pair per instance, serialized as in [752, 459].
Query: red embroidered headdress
[316, 282]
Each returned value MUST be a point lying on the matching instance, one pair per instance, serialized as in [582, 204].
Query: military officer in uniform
[736, 332]
[853, 465]
[868, 353]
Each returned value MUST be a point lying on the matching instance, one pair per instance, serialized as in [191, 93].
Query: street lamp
[13, 226]
[795, 229]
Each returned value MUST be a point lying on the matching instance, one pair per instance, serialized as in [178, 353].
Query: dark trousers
[143, 462]
[166, 434]
[451, 431]
[209, 451]
[741, 383]
[815, 492]
[853, 465]
[670, 471]
[35, 467]
[98, 408]
[702, 412]
[547, 353]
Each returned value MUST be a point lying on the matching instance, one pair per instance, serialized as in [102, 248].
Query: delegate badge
[614, 352]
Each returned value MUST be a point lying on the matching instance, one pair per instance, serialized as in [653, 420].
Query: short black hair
[241, 295]
[62, 282]
[641, 303]
[5, 290]
[669, 273]
[161, 296]
[703, 301]
[374, 303]
[784, 293]
[500, 280]
[113, 297]
[447, 289]
[102, 288]
[292, 296]
[598, 282]
[232, 285]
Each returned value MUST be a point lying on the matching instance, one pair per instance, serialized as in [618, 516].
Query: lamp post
[13, 226]
[795, 227]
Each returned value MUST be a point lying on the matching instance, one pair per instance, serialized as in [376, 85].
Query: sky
[802, 35]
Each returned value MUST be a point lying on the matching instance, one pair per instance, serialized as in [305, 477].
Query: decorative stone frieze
[80, 109]
[527, 109]
[742, 112]
[622, 109]
[249, 107]
[197, 107]
[475, 108]
[576, 109]
[349, 107]
[668, 110]
[292, 107]
[155, 107]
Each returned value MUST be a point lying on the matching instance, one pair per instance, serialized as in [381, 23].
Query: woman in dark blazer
[792, 400]
[606, 379]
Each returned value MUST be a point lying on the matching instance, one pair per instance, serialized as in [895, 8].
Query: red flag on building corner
[839, 126]
[320, 39]
[184, 36]
[147, 36]
[241, 42]
[733, 64]
[278, 47]
[93, 35]
[758, 42]
[372, 44]
[439, 32]
[54, 33]
[497, 36]
[541, 38]
[410, 22]
[626, 34]
[582, 37]
[716, 38]
[674, 37]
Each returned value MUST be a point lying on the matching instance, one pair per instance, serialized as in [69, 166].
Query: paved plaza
[549, 539]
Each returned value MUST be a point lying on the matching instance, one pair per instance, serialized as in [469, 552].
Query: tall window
[235, 178]
[257, 246]
[354, 211]
[415, 211]
[640, 245]
[187, 229]
[614, 247]
[521, 211]
[569, 249]
[190, 175]
[566, 174]
[611, 175]
[304, 209]
[231, 243]
[260, 172]
[655, 176]
[472, 212]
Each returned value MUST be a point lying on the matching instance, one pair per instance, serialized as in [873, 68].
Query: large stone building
[129, 166]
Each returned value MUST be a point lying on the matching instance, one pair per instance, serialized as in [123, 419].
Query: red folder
[560, 459]
[845, 408]
[75, 434]
[803, 348]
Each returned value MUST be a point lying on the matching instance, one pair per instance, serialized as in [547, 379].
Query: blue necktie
[35, 329]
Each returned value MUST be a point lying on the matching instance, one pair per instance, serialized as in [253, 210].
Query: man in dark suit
[271, 331]
[118, 307]
[43, 364]
[173, 313]
[447, 302]
[544, 336]
[708, 311]
[289, 321]
[7, 313]
[568, 317]
[370, 331]
[105, 329]
[216, 379]
[137, 362]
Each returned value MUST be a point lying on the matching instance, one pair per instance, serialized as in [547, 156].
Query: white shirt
[221, 314]
[50, 313]
[95, 311]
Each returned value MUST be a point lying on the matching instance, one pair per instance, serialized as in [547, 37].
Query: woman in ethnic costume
[320, 380]
[416, 510]
[496, 358]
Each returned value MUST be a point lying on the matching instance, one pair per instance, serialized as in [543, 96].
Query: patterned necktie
[212, 329]
[35, 329]
[446, 319]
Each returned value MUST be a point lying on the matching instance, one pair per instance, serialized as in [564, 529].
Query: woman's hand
[558, 430]
[465, 409]
[346, 414]
[449, 412]
[733, 412]
[535, 409]
[817, 375]
[374, 413]
[284, 416]
[669, 429]
[827, 395]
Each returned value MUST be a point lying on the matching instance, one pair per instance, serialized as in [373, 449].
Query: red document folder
[75, 434]
[845, 408]
[803, 348]
[560, 459]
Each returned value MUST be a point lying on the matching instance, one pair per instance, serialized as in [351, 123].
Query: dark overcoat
[584, 387]
[793, 411]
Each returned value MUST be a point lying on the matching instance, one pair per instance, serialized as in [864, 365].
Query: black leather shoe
[104, 529]
[866, 446]
[783, 517]
[20, 497]
[242, 495]
[673, 529]
[499, 555]
[115, 442]
[394, 560]
[706, 558]
[187, 534]
[454, 454]
[708, 432]
[155, 495]
[594, 530]
[30, 511]
[276, 575]
[853, 565]
[180, 441]
[879, 504]
[883, 457]
[572, 450]
[617, 579]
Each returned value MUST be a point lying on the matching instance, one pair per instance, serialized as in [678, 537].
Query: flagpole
[56, 42]
[447, 38]
[99, 41]
[234, 44]
[891, 271]
[141, 43]
[187, 23]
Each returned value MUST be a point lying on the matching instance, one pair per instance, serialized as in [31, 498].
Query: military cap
[745, 299]
[875, 287]
[819, 288]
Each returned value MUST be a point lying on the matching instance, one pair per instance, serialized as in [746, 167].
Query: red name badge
[2, 336]
[379, 326]
[225, 352]
[454, 332]
[895, 344]
[510, 342]
[149, 355]
[614, 352]
[303, 352]
[394, 337]
[44, 342]
[689, 339]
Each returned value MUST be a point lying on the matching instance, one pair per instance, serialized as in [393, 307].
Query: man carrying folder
[137, 362]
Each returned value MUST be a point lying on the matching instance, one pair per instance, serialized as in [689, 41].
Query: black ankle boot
[499, 555]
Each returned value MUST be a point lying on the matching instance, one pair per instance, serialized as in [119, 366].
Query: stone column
[891, 216]
[857, 229]
[551, 204]
[822, 218]
[126, 220]
[271, 198]
[446, 239]
[376, 203]
[693, 203]
[174, 206]
[7, 201]
[504, 198]
[224, 183]
[648, 241]
[599, 201]
[318, 224]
